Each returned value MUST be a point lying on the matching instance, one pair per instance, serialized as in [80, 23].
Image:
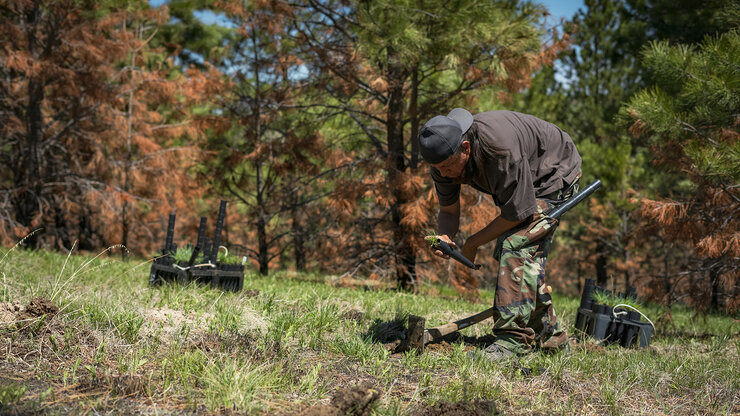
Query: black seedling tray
[163, 270]
[599, 322]
[226, 276]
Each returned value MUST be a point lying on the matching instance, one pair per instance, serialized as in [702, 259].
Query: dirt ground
[358, 401]
[14, 313]
[353, 401]
[477, 408]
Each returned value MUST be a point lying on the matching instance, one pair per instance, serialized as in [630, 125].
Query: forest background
[304, 116]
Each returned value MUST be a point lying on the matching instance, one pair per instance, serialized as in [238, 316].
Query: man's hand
[447, 240]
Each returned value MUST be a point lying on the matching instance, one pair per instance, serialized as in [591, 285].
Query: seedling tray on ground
[223, 275]
[599, 322]
[163, 270]
[226, 276]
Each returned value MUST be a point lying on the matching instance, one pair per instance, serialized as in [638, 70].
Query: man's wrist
[446, 234]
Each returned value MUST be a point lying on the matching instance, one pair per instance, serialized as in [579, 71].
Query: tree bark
[667, 286]
[414, 116]
[716, 288]
[263, 252]
[601, 274]
[128, 159]
[28, 172]
[262, 249]
[405, 256]
[299, 251]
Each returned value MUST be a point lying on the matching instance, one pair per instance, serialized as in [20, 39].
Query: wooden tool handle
[446, 329]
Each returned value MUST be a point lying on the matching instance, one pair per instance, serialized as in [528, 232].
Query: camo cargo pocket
[536, 230]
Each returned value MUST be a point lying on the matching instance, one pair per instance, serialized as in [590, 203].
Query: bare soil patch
[353, 315]
[476, 408]
[251, 293]
[39, 307]
[14, 312]
[353, 401]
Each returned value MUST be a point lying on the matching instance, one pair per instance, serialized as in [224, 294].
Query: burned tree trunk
[28, 170]
[299, 250]
[405, 255]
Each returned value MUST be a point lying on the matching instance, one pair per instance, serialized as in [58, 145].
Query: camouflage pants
[524, 315]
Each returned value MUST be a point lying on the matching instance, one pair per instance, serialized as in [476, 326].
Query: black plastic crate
[222, 275]
[163, 270]
[600, 322]
[226, 276]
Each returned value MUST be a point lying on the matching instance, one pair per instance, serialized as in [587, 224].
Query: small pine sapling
[602, 298]
[182, 254]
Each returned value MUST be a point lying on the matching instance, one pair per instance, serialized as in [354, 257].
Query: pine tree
[52, 86]
[391, 65]
[81, 90]
[193, 42]
[583, 94]
[690, 119]
[270, 156]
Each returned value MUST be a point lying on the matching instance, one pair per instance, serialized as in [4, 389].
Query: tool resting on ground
[418, 336]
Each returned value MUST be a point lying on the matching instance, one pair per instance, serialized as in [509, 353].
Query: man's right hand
[447, 240]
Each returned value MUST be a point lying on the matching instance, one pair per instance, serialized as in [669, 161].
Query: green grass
[287, 342]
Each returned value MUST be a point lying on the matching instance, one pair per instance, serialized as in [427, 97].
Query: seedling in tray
[202, 263]
[612, 318]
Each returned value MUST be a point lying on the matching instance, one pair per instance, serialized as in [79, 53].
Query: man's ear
[465, 145]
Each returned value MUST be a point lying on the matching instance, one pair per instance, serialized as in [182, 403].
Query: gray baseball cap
[441, 136]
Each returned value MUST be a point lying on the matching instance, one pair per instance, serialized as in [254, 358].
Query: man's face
[453, 166]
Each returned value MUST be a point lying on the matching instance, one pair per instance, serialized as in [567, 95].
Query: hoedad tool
[453, 253]
[419, 336]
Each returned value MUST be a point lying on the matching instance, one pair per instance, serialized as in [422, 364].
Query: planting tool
[453, 253]
[418, 336]
[555, 213]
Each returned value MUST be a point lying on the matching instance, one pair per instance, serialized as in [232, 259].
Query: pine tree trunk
[61, 239]
[625, 251]
[405, 256]
[262, 243]
[716, 288]
[28, 171]
[28, 175]
[601, 274]
[86, 236]
[263, 253]
[414, 116]
[262, 248]
[627, 278]
[128, 160]
[298, 237]
[667, 286]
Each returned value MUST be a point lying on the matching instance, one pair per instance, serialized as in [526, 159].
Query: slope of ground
[90, 336]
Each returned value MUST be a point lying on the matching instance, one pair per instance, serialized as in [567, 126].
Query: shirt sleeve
[514, 190]
[448, 192]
